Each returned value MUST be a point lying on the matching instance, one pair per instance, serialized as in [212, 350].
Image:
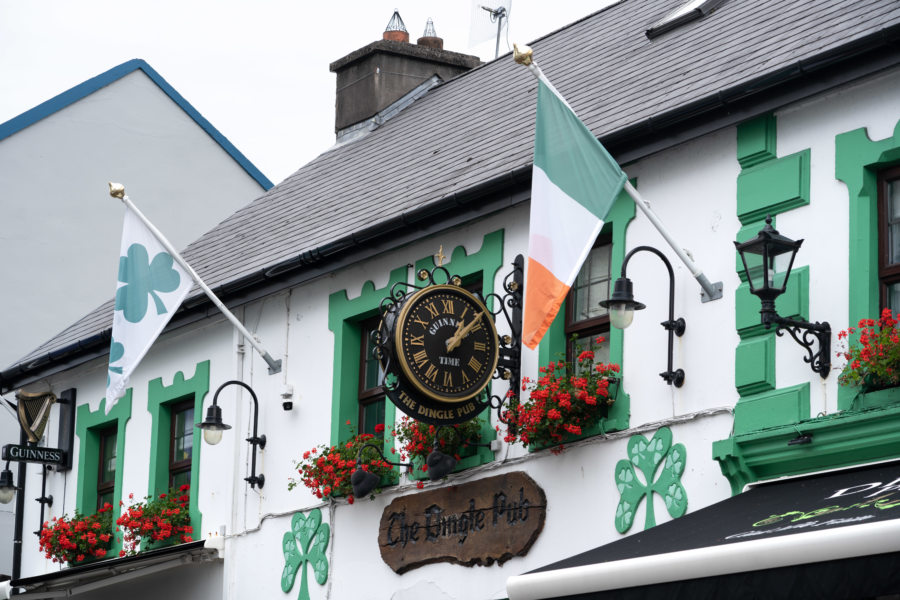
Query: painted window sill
[877, 399]
[865, 434]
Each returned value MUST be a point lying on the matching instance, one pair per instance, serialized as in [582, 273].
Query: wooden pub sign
[478, 523]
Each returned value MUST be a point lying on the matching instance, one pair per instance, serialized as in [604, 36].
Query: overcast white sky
[256, 69]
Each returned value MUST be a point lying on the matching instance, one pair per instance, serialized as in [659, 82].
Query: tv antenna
[497, 16]
[488, 22]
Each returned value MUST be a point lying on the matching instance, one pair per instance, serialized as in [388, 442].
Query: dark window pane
[106, 498]
[108, 458]
[894, 297]
[184, 435]
[589, 342]
[372, 414]
[179, 479]
[893, 215]
[372, 371]
[592, 285]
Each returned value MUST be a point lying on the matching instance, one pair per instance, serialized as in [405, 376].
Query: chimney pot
[396, 29]
[430, 38]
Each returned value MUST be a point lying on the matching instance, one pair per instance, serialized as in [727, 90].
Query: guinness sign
[34, 454]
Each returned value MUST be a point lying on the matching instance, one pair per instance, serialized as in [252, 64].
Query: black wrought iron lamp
[364, 482]
[213, 427]
[621, 305]
[440, 464]
[7, 485]
[768, 259]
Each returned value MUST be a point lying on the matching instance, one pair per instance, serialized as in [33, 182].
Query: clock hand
[454, 339]
[460, 334]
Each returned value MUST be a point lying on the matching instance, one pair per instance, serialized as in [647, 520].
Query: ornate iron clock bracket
[509, 365]
[508, 304]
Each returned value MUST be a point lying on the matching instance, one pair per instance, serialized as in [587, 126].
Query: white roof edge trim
[787, 550]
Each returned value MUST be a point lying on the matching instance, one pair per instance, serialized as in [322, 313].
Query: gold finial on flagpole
[439, 257]
[116, 190]
[523, 55]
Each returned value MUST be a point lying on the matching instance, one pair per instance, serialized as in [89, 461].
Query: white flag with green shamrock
[150, 289]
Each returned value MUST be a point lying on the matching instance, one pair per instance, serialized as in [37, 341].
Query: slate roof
[478, 127]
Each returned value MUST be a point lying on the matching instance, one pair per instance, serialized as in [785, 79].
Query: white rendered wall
[60, 230]
[693, 190]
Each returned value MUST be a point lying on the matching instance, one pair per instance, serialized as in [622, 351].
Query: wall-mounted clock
[445, 342]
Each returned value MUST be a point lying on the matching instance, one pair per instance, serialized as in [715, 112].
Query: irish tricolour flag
[574, 184]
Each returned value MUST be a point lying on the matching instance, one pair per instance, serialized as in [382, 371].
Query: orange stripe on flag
[544, 294]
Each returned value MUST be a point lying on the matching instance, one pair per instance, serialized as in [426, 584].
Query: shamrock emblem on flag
[648, 457]
[312, 536]
[144, 278]
[147, 271]
[116, 352]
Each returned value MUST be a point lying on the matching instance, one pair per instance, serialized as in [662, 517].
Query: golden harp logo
[34, 410]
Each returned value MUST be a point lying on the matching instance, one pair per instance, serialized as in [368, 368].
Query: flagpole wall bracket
[709, 291]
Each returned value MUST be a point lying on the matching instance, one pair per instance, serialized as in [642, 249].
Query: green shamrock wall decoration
[312, 537]
[144, 278]
[648, 456]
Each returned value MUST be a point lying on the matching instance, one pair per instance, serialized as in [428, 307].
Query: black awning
[829, 535]
[85, 578]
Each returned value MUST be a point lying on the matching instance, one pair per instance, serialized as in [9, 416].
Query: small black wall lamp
[213, 427]
[621, 305]
[7, 486]
[759, 257]
[364, 482]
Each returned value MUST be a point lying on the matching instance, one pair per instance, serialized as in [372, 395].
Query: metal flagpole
[711, 291]
[117, 190]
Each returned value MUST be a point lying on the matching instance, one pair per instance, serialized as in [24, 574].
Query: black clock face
[446, 343]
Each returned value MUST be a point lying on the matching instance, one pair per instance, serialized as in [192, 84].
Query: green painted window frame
[554, 345]
[858, 162]
[345, 320]
[88, 427]
[160, 400]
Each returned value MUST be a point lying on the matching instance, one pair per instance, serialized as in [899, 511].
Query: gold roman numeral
[418, 340]
[474, 364]
[420, 358]
[465, 378]
[480, 346]
[448, 379]
[432, 309]
[424, 324]
[447, 306]
[431, 372]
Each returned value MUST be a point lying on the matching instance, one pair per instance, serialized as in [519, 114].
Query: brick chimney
[376, 76]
